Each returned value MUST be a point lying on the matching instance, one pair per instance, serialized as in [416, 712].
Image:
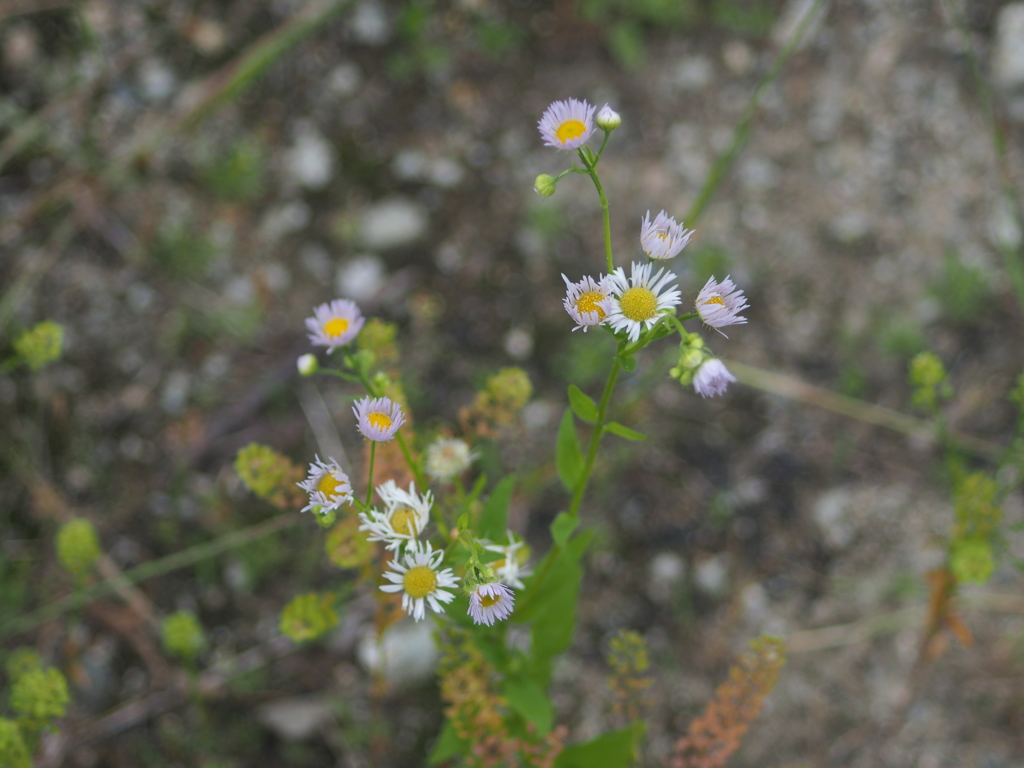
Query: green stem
[605, 216]
[595, 437]
[413, 466]
[369, 480]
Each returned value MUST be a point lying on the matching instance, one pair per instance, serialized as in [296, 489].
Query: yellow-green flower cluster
[183, 634]
[13, 752]
[40, 695]
[41, 344]
[308, 616]
[78, 546]
[928, 378]
[262, 469]
[977, 515]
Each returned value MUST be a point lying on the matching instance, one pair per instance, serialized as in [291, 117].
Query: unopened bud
[307, 365]
[608, 119]
[545, 185]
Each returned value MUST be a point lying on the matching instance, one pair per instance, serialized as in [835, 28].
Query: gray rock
[297, 718]
[360, 278]
[310, 161]
[1008, 52]
[830, 513]
[406, 655]
[392, 223]
[665, 573]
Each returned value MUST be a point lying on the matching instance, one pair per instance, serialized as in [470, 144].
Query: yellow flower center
[714, 300]
[328, 484]
[379, 420]
[663, 235]
[569, 130]
[590, 302]
[336, 326]
[403, 521]
[638, 304]
[486, 601]
[419, 581]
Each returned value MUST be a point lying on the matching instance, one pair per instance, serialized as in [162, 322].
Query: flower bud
[545, 185]
[78, 547]
[608, 119]
[307, 365]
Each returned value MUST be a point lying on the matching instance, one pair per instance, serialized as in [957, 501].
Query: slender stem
[413, 466]
[609, 263]
[369, 479]
[595, 437]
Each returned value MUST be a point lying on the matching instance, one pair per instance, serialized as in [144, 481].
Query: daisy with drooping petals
[378, 418]
[720, 304]
[448, 457]
[405, 515]
[335, 324]
[663, 238]
[567, 124]
[420, 580]
[712, 378]
[489, 603]
[637, 301]
[328, 487]
[511, 567]
[588, 302]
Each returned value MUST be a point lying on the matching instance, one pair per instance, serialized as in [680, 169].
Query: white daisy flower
[378, 418]
[509, 569]
[328, 487]
[405, 515]
[335, 324]
[712, 378]
[419, 580]
[489, 603]
[567, 124]
[720, 304]
[448, 457]
[663, 238]
[636, 302]
[588, 302]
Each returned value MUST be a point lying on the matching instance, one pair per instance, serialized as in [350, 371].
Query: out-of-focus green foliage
[238, 175]
[961, 289]
[40, 695]
[308, 616]
[78, 546]
[41, 344]
[13, 752]
[183, 635]
[928, 378]
[20, 661]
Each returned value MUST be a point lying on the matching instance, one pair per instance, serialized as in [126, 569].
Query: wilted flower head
[420, 580]
[588, 302]
[712, 378]
[489, 603]
[638, 300]
[567, 124]
[378, 418]
[327, 485]
[663, 238]
[448, 457]
[720, 305]
[405, 515]
[334, 324]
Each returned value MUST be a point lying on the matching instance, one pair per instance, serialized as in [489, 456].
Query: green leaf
[448, 745]
[563, 526]
[628, 363]
[463, 522]
[568, 459]
[622, 431]
[582, 405]
[494, 517]
[615, 749]
[527, 698]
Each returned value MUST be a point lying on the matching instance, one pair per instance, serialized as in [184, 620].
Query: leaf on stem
[562, 527]
[582, 405]
[615, 749]
[623, 431]
[528, 699]
[568, 458]
[628, 363]
[494, 517]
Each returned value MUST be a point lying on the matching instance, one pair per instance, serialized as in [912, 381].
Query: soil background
[390, 157]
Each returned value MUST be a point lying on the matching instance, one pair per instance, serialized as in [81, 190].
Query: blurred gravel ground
[390, 158]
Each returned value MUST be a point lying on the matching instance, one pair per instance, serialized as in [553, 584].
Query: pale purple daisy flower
[490, 603]
[663, 238]
[335, 324]
[417, 576]
[636, 302]
[405, 515]
[608, 119]
[327, 485]
[588, 302]
[567, 124]
[712, 378]
[720, 304]
[378, 418]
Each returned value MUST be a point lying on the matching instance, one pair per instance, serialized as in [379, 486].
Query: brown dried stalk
[716, 733]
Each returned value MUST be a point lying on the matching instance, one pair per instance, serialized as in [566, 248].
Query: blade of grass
[741, 131]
